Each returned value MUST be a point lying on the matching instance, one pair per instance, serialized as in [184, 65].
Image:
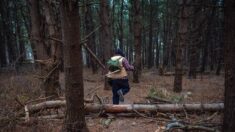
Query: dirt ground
[205, 89]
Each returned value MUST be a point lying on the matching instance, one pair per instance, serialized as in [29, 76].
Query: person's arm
[126, 65]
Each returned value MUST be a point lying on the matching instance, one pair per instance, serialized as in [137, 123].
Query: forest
[117, 65]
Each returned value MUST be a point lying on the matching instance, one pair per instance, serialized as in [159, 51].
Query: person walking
[118, 79]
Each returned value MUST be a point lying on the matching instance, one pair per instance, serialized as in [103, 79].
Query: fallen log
[129, 108]
[126, 108]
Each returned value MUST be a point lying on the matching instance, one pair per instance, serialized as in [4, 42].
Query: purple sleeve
[126, 65]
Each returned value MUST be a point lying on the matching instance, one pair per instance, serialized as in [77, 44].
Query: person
[119, 80]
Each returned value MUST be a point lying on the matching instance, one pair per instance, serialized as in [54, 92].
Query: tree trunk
[36, 37]
[137, 40]
[105, 36]
[207, 41]
[166, 29]
[195, 41]
[3, 57]
[90, 40]
[20, 34]
[183, 29]
[52, 84]
[8, 26]
[121, 25]
[150, 46]
[74, 92]
[229, 33]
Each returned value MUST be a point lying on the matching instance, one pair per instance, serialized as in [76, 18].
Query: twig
[185, 112]
[93, 90]
[93, 55]
[142, 115]
[192, 127]
[207, 119]
[88, 35]
[55, 39]
[49, 74]
[19, 102]
[31, 101]
[26, 113]
[84, 40]
[99, 99]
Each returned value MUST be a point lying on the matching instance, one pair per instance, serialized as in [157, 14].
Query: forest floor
[205, 89]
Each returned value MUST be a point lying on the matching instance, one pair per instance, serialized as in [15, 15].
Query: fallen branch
[39, 99]
[52, 71]
[178, 125]
[19, 102]
[93, 90]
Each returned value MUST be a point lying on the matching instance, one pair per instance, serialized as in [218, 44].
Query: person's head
[119, 52]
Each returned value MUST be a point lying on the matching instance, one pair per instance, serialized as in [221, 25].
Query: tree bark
[52, 83]
[90, 40]
[105, 36]
[195, 41]
[150, 46]
[229, 33]
[137, 40]
[74, 91]
[207, 41]
[183, 29]
[36, 37]
[48, 66]
[121, 26]
[3, 57]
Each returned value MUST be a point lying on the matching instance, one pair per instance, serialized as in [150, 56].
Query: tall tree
[182, 34]
[121, 25]
[150, 46]
[195, 38]
[51, 83]
[8, 20]
[137, 39]
[45, 51]
[229, 105]
[36, 37]
[3, 46]
[209, 23]
[74, 92]
[105, 35]
[75, 119]
[89, 25]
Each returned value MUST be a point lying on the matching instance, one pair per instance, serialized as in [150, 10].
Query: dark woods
[152, 29]
[182, 37]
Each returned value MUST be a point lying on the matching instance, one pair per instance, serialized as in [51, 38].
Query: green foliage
[164, 94]
[23, 98]
[106, 122]
[153, 92]
[177, 98]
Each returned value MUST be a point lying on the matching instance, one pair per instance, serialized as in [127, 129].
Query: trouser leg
[115, 94]
[125, 87]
